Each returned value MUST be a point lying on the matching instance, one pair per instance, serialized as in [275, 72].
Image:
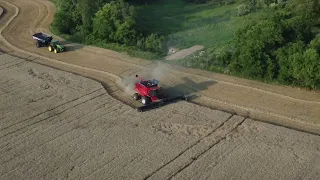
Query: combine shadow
[188, 88]
[71, 46]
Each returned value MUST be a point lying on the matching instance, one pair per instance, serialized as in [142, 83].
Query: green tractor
[56, 47]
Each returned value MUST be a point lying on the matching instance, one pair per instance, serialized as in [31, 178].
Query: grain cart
[42, 39]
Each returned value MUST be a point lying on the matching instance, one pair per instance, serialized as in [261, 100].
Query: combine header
[152, 95]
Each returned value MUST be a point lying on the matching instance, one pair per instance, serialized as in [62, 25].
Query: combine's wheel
[145, 100]
[136, 96]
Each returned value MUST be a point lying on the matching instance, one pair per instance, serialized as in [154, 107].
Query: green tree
[115, 22]
[243, 9]
[306, 68]
[315, 43]
[154, 42]
[63, 20]
[87, 9]
[285, 56]
[254, 46]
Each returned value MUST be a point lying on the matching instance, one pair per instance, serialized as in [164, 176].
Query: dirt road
[57, 125]
[287, 106]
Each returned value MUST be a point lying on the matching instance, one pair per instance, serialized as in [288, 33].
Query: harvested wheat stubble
[259, 151]
[55, 124]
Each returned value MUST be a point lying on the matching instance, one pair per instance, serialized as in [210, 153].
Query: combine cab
[151, 95]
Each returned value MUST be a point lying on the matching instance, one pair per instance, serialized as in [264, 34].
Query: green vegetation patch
[267, 40]
[185, 24]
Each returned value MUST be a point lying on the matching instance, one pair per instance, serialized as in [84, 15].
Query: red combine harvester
[151, 94]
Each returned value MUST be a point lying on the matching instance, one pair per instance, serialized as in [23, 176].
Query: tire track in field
[6, 63]
[8, 84]
[10, 64]
[43, 14]
[47, 112]
[188, 148]
[150, 151]
[36, 21]
[75, 114]
[138, 156]
[13, 65]
[213, 143]
[70, 119]
[26, 100]
[11, 87]
[133, 165]
[28, 97]
[41, 120]
[107, 109]
[18, 90]
[69, 116]
[203, 145]
[9, 92]
[112, 109]
[45, 18]
[20, 137]
[65, 131]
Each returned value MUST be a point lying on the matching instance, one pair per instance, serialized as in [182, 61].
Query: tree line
[105, 21]
[281, 46]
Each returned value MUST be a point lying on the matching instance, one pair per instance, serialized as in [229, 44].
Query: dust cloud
[157, 71]
[127, 84]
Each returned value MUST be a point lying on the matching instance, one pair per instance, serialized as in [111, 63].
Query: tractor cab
[55, 43]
